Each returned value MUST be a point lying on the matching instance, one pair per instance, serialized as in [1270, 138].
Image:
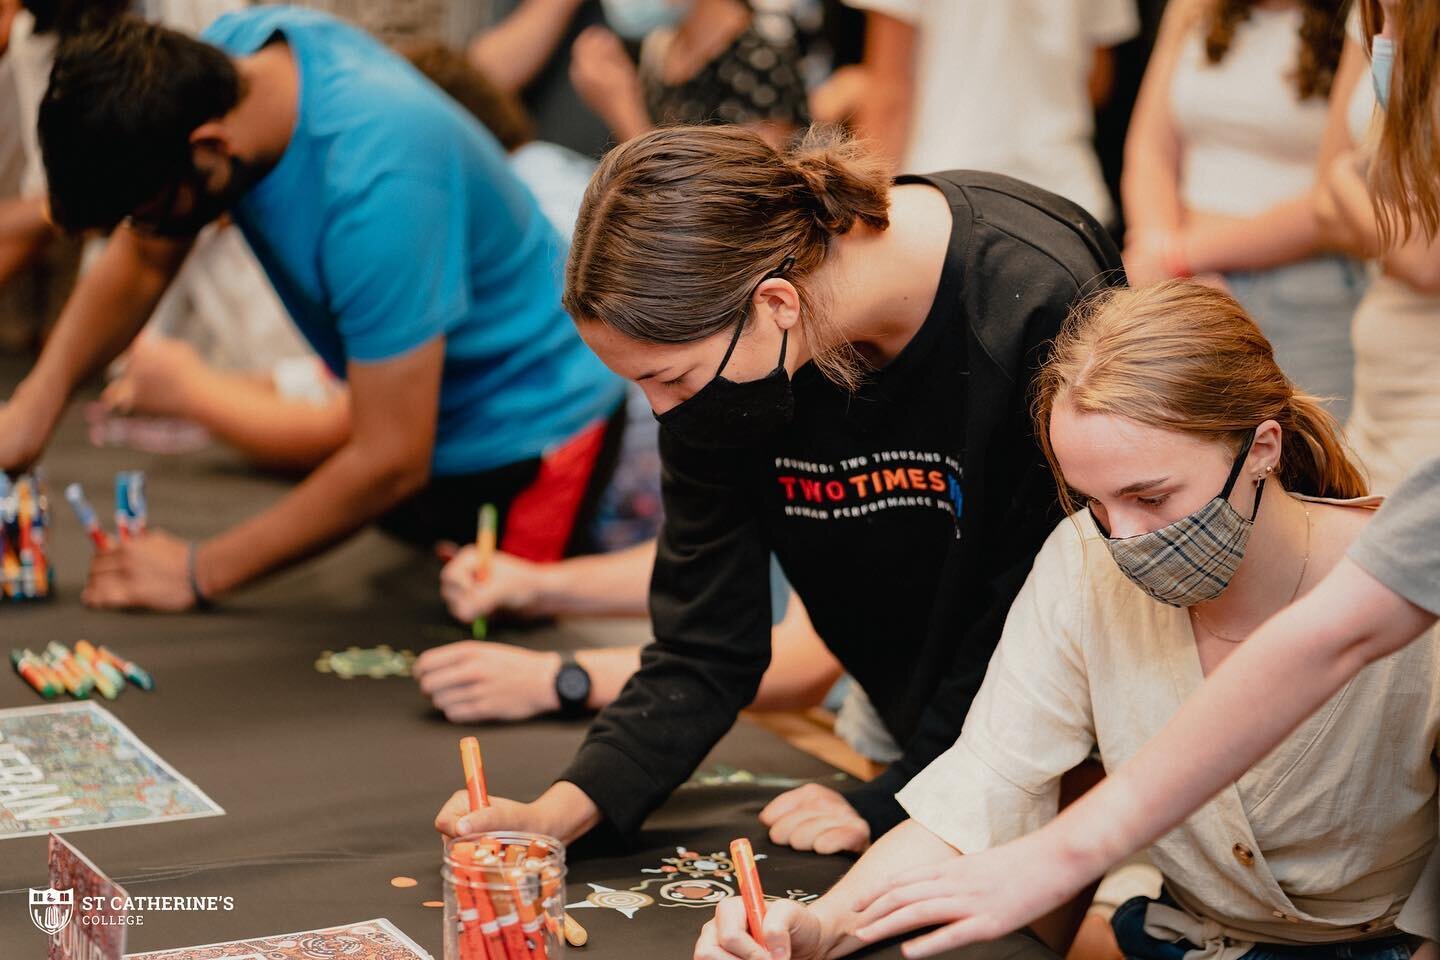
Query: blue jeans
[1129, 926]
[1304, 310]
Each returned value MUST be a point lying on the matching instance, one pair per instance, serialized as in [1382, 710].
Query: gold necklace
[1304, 565]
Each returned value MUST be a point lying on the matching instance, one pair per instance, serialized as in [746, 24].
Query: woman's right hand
[564, 812]
[512, 586]
[792, 932]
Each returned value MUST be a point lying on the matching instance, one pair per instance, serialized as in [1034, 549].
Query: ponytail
[1314, 459]
[843, 181]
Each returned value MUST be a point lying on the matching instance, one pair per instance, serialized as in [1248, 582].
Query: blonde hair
[1184, 356]
[679, 226]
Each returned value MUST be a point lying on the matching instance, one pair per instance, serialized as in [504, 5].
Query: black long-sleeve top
[905, 515]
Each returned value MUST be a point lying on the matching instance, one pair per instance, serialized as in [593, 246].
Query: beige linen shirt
[1324, 840]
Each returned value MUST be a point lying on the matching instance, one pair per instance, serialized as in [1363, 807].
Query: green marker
[485, 525]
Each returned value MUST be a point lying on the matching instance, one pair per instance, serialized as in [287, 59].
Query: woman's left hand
[157, 379]
[815, 818]
[976, 897]
[148, 572]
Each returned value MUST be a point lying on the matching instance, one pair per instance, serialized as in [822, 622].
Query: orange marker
[575, 935]
[474, 919]
[474, 773]
[506, 911]
[532, 923]
[743, 857]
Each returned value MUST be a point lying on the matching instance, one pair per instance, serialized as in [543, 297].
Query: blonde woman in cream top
[1322, 842]
[1192, 464]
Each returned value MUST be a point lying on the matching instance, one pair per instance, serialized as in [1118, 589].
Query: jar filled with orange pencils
[504, 897]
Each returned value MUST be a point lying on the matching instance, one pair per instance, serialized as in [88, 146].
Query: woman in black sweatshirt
[841, 366]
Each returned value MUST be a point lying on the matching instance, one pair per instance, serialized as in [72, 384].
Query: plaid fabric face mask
[1191, 560]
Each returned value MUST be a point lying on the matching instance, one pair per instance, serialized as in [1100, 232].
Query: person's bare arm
[1101, 81]
[1150, 177]
[23, 218]
[167, 377]
[385, 458]
[887, 102]
[613, 584]
[802, 669]
[269, 430]
[472, 681]
[1282, 234]
[513, 51]
[1343, 214]
[609, 82]
[107, 308]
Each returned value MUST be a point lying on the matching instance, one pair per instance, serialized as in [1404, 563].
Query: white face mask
[1382, 66]
[633, 19]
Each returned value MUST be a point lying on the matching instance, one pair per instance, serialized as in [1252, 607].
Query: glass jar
[504, 897]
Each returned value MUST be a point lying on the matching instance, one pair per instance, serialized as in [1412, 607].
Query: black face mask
[206, 207]
[724, 414]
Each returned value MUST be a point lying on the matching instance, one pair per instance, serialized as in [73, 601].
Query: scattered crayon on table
[85, 670]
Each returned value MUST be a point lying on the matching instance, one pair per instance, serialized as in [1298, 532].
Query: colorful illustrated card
[83, 910]
[73, 766]
[367, 940]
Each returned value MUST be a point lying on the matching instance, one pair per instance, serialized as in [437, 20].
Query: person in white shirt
[1220, 160]
[1003, 87]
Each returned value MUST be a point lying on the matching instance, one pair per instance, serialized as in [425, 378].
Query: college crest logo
[51, 909]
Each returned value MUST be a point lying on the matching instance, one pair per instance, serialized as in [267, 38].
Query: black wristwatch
[572, 686]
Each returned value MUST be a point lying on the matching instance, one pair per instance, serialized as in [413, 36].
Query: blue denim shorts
[1129, 925]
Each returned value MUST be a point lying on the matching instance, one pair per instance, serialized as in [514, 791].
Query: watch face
[573, 684]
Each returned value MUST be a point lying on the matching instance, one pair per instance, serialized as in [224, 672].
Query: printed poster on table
[73, 766]
[367, 940]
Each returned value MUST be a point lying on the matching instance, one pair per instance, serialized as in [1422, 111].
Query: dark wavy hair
[1322, 35]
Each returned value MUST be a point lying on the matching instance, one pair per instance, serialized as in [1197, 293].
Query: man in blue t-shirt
[413, 261]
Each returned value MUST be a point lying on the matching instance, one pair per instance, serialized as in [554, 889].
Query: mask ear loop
[785, 265]
[1235, 475]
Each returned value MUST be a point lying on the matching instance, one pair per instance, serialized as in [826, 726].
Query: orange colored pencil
[474, 773]
[743, 857]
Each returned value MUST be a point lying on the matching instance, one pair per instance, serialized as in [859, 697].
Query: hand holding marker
[742, 858]
[508, 890]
